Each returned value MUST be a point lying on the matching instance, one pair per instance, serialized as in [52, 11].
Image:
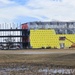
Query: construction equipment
[73, 43]
[64, 38]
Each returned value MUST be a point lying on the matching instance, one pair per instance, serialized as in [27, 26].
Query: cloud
[4, 3]
[59, 10]
[43, 10]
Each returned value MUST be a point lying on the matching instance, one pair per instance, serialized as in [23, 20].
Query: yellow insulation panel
[44, 38]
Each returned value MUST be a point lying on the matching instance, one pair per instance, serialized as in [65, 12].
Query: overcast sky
[36, 10]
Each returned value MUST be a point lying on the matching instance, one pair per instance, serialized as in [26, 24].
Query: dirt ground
[61, 57]
[38, 51]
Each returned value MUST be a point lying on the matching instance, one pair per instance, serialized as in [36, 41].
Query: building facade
[45, 34]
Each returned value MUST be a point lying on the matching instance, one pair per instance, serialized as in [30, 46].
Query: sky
[22, 11]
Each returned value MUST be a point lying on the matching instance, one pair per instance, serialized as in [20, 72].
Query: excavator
[73, 43]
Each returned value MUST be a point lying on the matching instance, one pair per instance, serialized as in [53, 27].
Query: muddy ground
[39, 56]
[37, 62]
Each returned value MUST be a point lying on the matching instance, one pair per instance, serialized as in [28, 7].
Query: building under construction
[37, 35]
[54, 34]
[14, 38]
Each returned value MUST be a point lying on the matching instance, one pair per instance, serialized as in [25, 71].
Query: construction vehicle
[73, 44]
[64, 38]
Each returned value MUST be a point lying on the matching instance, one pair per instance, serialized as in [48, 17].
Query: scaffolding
[11, 37]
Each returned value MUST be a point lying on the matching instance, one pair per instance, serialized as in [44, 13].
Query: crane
[63, 38]
[73, 43]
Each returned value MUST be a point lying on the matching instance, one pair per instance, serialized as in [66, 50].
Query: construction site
[39, 35]
[37, 48]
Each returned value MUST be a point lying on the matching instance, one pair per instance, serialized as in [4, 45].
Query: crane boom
[69, 40]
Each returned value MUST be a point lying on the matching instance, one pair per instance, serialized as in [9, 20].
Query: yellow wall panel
[44, 38]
